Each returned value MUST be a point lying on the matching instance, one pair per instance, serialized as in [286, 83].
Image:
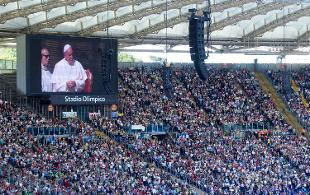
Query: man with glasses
[46, 75]
[69, 74]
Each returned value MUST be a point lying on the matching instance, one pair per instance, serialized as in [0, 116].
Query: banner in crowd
[138, 127]
[114, 115]
[69, 114]
[94, 115]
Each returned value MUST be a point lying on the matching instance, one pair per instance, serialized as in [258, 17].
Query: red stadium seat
[89, 81]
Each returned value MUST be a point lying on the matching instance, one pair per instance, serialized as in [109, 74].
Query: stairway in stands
[297, 91]
[269, 89]
[106, 136]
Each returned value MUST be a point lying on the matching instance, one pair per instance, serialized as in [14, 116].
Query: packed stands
[71, 165]
[268, 157]
[231, 97]
[302, 78]
[294, 98]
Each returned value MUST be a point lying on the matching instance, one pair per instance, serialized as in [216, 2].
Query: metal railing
[248, 126]
[152, 128]
[52, 131]
[7, 64]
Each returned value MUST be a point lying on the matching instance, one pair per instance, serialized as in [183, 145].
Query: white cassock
[64, 72]
[46, 80]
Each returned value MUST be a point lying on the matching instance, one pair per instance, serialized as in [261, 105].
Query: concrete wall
[21, 64]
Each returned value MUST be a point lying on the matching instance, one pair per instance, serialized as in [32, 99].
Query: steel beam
[154, 28]
[184, 18]
[262, 9]
[225, 42]
[5, 2]
[93, 10]
[292, 43]
[174, 4]
[24, 12]
[184, 41]
[235, 51]
[7, 40]
[278, 22]
[304, 37]
[7, 46]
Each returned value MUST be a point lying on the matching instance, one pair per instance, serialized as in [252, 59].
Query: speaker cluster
[197, 40]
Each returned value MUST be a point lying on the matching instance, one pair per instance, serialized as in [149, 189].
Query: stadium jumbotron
[82, 112]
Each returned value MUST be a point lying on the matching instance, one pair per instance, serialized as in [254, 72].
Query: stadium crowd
[302, 76]
[215, 161]
[197, 150]
[293, 98]
[72, 165]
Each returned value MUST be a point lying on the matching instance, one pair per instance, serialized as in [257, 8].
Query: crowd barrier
[151, 129]
[45, 131]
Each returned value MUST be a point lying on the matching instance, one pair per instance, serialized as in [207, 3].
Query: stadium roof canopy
[236, 24]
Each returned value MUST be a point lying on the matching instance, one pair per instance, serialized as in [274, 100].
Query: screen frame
[32, 74]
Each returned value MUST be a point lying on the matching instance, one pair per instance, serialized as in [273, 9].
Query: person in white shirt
[69, 74]
[46, 75]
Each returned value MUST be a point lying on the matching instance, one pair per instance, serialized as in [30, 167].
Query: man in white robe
[69, 74]
[46, 75]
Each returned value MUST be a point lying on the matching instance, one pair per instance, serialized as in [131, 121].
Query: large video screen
[72, 70]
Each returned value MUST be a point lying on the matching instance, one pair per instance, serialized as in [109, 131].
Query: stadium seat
[89, 81]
